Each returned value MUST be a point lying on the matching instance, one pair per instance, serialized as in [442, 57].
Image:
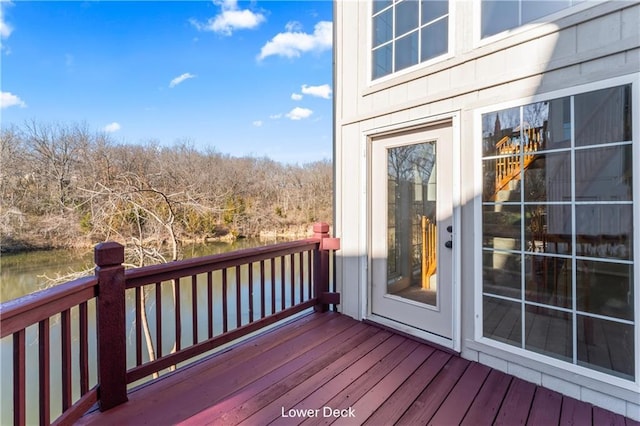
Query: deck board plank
[485, 406]
[398, 403]
[575, 413]
[604, 417]
[517, 404]
[368, 403]
[428, 402]
[454, 408]
[546, 408]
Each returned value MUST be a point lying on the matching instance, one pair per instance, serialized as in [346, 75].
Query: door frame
[452, 119]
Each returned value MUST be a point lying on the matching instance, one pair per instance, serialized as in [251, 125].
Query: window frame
[486, 344]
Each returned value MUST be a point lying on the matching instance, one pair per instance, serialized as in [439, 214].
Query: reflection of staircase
[508, 167]
[429, 257]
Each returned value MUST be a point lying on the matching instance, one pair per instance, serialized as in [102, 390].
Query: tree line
[62, 185]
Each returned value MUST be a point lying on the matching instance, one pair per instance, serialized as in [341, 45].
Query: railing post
[112, 355]
[321, 267]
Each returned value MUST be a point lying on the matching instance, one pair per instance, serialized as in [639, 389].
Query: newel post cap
[321, 228]
[109, 254]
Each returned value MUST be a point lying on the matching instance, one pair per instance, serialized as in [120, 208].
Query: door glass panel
[411, 222]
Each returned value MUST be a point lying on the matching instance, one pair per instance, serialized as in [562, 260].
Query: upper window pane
[382, 28]
[435, 40]
[498, 15]
[501, 15]
[407, 51]
[378, 5]
[433, 9]
[532, 9]
[603, 116]
[406, 17]
[382, 64]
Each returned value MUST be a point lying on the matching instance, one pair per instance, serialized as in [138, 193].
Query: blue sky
[243, 78]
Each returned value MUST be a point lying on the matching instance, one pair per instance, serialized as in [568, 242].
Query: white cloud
[323, 91]
[275, 116]
[293, 42]
[230, 19]
[258, 123]
[112, 127]
[5, 28]
[293, 26]
[299, 113]
[296, 96]
[180, 79]
[8, 99]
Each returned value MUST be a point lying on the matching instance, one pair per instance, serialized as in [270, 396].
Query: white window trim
[634, 80]
[445, 56]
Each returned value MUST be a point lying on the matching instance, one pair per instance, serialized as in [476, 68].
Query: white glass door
[411, 249]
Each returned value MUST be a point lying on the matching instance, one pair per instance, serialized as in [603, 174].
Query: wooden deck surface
[328, 360]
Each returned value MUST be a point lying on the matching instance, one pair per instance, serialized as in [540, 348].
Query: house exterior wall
[580, 48]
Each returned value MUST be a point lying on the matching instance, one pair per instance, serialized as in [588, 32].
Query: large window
[557, 229]
[501, 15]
[408, 32]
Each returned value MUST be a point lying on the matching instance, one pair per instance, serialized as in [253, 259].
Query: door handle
[450, 229]
[449, 244]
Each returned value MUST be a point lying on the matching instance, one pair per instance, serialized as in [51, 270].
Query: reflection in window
[502, 15]
[407, 32]
[538, 322]
[557, 221]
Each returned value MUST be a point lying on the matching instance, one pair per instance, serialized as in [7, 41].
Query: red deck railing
[243, 291]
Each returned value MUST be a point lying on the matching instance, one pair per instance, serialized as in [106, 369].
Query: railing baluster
[44, 373]
[194, 307]
[250, 269]
[84, 348]
[159, 320]
[177, 298]
[210, 303]
[273, 285]
[65, 329]
[19, 402]
[301, 266]
[139, 306]
[225, 308]
[283, 290]
[309, 276]
[292, 273]
[238, 298]
[262, 289]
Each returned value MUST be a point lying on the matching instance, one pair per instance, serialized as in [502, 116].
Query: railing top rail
[166, 271]
[19, 313]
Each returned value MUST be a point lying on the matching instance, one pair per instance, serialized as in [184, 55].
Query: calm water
[26, 273]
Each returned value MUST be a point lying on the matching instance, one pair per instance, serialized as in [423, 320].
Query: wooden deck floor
[330, 360]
